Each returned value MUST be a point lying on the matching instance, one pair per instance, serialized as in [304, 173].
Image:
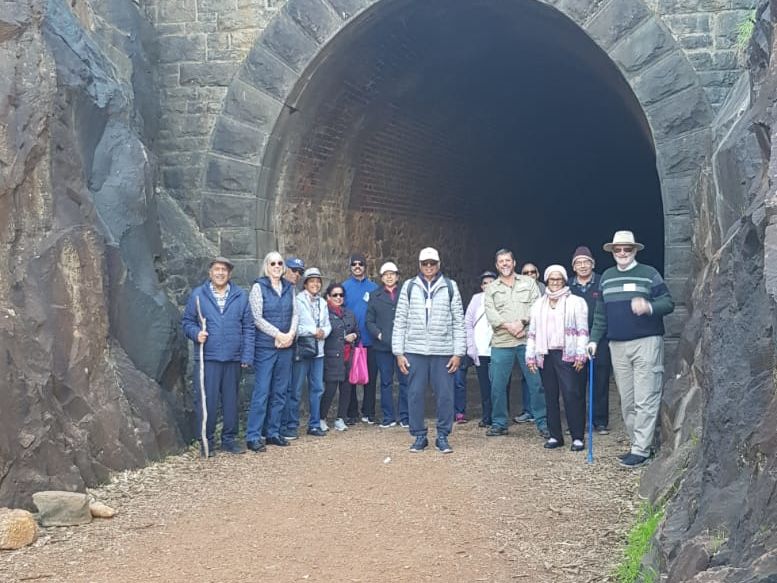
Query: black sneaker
[256, 446]
[277, 440]
[316, 432]
[442, 445]
[232, 447]
[420, 444]
[350, 421]
[495, 431]
[634, 461]
[623, 456]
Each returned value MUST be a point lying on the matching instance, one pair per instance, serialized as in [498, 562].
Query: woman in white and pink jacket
[479, 334]
[556, 344]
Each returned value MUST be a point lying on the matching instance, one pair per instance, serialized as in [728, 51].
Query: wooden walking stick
[203, 406]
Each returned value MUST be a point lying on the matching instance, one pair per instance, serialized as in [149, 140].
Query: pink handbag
[359, 374]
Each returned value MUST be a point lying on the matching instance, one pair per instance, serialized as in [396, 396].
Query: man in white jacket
[429, 341]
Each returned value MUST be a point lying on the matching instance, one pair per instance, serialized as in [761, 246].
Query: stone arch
[286, 55]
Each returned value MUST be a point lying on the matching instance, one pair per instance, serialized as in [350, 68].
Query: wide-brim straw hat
[623, 238]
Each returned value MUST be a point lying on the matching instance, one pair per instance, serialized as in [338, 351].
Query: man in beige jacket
[508, 301]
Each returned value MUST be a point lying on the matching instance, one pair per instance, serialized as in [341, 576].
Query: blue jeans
[502, 360]
[387, 367]
[425, 371]
[273, 379]
[312, 370]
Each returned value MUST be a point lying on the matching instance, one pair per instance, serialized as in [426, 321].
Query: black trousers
[602, 370]
[368, 400]
[559, 377]
[343, 401]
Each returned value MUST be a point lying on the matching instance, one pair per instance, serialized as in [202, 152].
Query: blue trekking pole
[590, 459]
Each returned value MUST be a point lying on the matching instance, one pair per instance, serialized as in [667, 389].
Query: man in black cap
[357, 294]
[585, 284]
[228, 345]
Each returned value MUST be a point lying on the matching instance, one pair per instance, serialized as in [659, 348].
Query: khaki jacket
[509, 304]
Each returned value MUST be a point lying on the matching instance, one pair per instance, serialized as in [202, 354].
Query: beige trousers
[638, 366]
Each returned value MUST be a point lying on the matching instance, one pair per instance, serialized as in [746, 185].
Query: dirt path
[354, 506]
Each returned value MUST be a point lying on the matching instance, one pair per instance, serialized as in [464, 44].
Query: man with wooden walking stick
[218, 319]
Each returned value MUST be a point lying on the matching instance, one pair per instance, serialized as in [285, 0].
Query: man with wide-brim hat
[228, 346]
[630, 313]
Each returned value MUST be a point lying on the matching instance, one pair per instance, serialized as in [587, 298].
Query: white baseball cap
[388, 266]
[428, 254]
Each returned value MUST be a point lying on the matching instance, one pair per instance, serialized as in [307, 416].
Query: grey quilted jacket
[433, 330]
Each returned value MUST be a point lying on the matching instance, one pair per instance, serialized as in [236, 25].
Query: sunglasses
[298, 271]
[428, 263]
[357, 264]
[529, 272]
[622, 249]
[276, 263]
[336, 295]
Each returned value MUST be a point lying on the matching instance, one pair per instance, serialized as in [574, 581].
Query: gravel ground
[354, 506]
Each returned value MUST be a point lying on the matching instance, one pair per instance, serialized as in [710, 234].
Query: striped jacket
[613, 315]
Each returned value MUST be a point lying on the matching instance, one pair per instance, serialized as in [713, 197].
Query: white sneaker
[386, 425]
[324, 427]
[340, 425]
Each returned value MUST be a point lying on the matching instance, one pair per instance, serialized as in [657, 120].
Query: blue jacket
[357, 295]
[231, 334]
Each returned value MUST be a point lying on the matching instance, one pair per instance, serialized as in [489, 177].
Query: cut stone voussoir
[62, 508]
[17, 529]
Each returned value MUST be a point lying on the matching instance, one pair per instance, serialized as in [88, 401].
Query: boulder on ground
[62, 508]
[100, 510]
[17, 529]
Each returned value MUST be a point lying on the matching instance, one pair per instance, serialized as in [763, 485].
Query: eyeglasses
[357, 264]
[622, 249]
[336, 295]
[529, 272]
[276, 263]
[429, 263]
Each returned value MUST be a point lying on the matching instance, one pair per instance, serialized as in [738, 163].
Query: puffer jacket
[335, 367]
[231, 334]
[437, 331]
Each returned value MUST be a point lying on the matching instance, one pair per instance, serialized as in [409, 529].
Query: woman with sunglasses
[275, 317]
[337, 353]
[556, 345]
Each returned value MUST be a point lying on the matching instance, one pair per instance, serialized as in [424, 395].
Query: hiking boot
[634, 461]
[324, 425]
[232, 447]
[441, 443]
[419, 444]
[340, 425]
[316, 432]
[524, 417]
[602, 430]
[461, 418]
[387, 424]
[495, 431]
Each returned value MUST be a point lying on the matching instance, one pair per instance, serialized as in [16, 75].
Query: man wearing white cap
[429, 342]
[380, 322]
[630, 312]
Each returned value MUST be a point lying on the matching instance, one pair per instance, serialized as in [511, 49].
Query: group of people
[419, 335]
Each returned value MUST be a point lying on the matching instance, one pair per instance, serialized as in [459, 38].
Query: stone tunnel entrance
[464, 125]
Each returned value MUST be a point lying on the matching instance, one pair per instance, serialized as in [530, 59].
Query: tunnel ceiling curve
[503, 122]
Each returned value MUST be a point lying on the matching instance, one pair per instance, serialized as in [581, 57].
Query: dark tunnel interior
[466, 125]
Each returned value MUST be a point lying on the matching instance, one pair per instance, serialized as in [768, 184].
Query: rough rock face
[720, 420]
[88, 338]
